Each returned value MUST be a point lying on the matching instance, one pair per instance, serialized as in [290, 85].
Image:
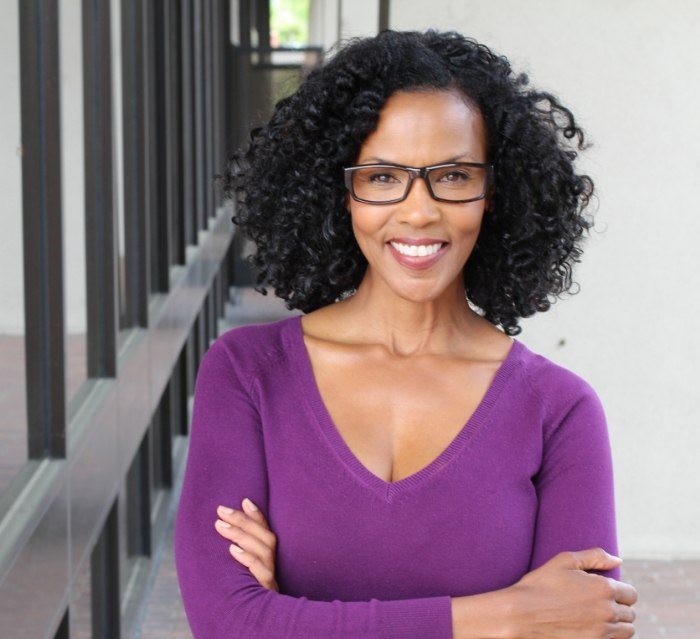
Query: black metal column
[99, 215]
[135, 192]
[43, 240]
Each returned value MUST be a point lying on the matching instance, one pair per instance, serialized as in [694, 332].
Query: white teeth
[414, 250]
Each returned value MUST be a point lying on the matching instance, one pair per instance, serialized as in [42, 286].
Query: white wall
[628, 71]
[73, 165]
[324, 22]
[11, 252]
[358, 17]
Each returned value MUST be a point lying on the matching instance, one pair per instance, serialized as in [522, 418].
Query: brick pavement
[164, 615]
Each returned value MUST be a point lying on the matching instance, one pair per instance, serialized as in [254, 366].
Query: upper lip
[417, 241]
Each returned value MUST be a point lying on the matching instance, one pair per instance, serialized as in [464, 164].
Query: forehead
[422, 128]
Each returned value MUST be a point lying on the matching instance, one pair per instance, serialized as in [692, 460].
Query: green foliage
[289, 23]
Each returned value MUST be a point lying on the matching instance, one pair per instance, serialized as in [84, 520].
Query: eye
[382, 178]
[456, 176]
[379, 177]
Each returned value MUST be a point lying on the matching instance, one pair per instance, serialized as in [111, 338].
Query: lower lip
[418, 261]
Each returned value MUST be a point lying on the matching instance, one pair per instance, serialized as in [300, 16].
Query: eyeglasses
[390, 183]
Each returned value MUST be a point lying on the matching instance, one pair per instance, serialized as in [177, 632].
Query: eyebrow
[448, 161]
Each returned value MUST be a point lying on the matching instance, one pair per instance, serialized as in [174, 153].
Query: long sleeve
[575, 487]
[226, 462]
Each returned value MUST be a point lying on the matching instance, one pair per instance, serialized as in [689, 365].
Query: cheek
[365, 220]
[469, 225]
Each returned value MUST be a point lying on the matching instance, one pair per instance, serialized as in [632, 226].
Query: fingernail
[249, 505]
[226, 511]
[223, 524]
[614, 557]
[235, 548]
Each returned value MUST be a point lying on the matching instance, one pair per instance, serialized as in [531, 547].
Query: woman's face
[421, 129]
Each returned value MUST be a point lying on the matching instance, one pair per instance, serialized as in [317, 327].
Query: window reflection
[13, 409]
[81, 606]
[118, 156]
[73, 183]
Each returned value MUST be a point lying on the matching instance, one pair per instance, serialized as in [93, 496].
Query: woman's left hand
[254, 539]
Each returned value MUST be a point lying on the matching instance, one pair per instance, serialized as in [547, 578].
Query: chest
[343, 535]
[396, 417]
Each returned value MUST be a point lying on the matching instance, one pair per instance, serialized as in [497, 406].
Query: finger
[625, 614]
[595, 558]
[622, 630]
[240, 519]
[259, 570]
[248, 542]
[624, 593]
[256, 515]
[254, 512]
[253, 527]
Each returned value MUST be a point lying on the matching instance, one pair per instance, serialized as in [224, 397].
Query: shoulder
[559, 389]
[250, 348]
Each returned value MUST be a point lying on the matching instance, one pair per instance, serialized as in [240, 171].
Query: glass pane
[139, 493]
[379, 184]
[81, 607]
[458, 183]
[118, 153]
[13, 410]
[73, 177]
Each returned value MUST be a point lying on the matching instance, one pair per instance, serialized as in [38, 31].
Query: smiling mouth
[418, 261]
[424, 249]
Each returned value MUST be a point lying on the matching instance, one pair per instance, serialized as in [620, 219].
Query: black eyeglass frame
[413, 173]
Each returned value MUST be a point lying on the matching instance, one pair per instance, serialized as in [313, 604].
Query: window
[289, 23]
[13, 408]
[73, 186]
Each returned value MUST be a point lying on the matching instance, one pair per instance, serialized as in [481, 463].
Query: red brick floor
[164, 616]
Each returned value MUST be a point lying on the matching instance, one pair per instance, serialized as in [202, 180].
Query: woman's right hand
[559, 600]
[255, 545]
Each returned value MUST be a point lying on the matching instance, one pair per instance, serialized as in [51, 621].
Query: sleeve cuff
[426, 618]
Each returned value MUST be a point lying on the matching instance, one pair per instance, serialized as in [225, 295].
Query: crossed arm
[230, 594]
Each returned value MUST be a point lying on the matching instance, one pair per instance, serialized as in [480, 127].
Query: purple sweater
[528, 476]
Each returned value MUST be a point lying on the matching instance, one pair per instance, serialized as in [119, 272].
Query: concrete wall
[627, 70]
[324, 22]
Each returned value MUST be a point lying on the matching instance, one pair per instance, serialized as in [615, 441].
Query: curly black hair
[288, 181]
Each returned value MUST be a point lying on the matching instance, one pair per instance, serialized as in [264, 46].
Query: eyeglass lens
[382, 184]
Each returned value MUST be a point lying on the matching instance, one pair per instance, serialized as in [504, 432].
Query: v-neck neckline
[388, 490]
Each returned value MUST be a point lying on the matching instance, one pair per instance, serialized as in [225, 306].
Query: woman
[417, 471]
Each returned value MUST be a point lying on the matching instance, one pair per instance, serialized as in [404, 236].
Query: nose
[419, 207]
